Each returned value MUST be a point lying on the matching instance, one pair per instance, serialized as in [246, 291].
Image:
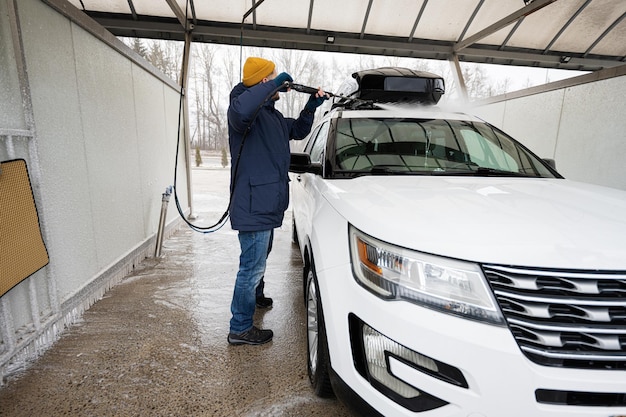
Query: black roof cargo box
[394, 84]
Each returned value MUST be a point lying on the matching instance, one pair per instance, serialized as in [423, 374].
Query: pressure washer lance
[305, 89]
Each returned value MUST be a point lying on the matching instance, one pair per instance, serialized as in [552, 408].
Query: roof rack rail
[355, 104]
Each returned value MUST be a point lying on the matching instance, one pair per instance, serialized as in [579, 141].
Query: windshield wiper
[481, 172]
[381, 170]
[388, 170]
[393, 170]
[493, 172]
[377, 171]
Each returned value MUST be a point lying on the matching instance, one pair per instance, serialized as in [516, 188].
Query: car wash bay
[156, 343]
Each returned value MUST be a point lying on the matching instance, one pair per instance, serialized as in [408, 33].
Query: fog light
[377, 347]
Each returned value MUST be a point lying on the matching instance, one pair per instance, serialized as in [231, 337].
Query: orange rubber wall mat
[22, 249]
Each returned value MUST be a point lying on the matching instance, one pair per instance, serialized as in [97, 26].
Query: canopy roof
[568, 34]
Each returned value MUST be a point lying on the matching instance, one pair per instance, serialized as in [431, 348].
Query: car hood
[547, 223]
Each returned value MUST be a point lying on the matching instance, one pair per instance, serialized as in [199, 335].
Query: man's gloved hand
[315, 101]
[280, 80]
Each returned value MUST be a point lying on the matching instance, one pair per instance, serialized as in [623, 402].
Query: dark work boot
[254, 336]
[264, 302]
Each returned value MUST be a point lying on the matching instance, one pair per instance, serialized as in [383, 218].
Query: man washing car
[259, 183]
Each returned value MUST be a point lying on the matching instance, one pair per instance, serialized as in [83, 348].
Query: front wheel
[318, 359]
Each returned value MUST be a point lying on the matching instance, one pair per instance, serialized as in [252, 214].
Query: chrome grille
[574, 319]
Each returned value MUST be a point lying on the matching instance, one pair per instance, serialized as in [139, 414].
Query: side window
[319, 144]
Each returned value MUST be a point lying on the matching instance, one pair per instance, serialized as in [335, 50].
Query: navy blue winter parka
[260, 185]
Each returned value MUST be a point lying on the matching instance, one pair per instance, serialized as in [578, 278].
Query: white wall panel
[11, 115]
[155, 141]
[101, 152]
[107, 111]
[582, 126]
[539, 127]
[51, 63]
[493, 113]
[592, 136]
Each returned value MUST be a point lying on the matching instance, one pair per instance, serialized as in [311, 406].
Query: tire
[294, 232]
[318, 358]
[305, 281]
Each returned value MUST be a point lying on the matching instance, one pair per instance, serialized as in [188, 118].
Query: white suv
[448, 270]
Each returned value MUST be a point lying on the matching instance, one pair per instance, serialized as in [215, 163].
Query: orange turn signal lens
[368, 257]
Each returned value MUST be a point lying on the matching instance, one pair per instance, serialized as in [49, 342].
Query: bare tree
[197, 110]
[230, 63]
[216, 69]
[173, 51]
[293, 63]
[137, 45]
[165, 55]
[478, 82]
[211, 97]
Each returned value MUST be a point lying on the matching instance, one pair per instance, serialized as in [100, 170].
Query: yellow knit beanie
[255, 69]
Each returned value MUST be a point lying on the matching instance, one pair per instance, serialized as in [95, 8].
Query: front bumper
[498, 379]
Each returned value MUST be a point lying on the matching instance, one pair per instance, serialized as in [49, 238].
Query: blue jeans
[255, 247]
[261, 286]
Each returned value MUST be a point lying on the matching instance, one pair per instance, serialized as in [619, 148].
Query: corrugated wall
[98, 128]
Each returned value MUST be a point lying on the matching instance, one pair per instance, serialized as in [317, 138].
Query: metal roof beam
[566, 25]
[308, 23]
[348, 43]
[309, 37]
[471, 19]
[178, 12]
[367, 16]
[417, 20]
[133, 12]
[511, 33]
[538, 59]
[457, 73]
[606, 32]
[193, 12]
[502, 23]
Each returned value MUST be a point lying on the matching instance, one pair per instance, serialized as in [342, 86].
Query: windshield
[432, 147]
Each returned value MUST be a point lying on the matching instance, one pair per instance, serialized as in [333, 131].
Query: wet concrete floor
[155, 345]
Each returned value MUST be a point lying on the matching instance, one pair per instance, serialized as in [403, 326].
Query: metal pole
[165, 198]
[458, 77]
[183, 83]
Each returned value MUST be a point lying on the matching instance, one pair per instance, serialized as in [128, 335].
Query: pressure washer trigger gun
[304, 89]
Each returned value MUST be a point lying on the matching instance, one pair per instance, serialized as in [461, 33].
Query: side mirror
[301, 163]
[551, 162]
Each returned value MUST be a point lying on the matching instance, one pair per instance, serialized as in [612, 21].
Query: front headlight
[395, 273]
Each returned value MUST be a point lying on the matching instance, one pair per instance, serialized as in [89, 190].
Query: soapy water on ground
[156, 343]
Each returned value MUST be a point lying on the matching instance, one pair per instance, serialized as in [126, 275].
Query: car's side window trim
[312, 139]
[319, 143]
